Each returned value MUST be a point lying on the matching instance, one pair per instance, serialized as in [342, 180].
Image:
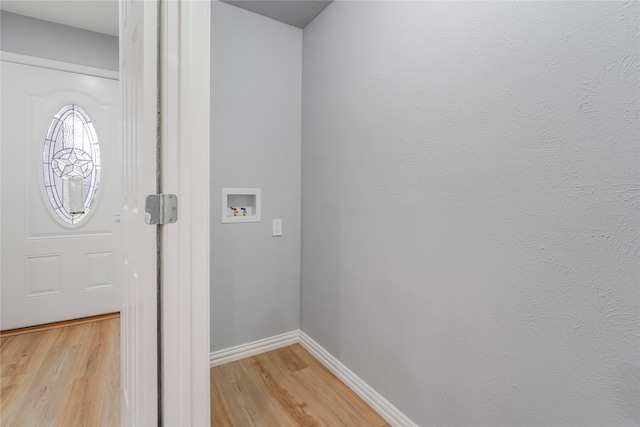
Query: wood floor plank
[24, 353]
[62, 376]
[343, 406]
[89, 392]
[290, 359]
[230, 381]
[45, 390]
[249, 406]
[313, 403]
[285, 387]
[9, 387]
[110, 415]
[220, 413]
[72, 336]
[271, 382]
[354, 411]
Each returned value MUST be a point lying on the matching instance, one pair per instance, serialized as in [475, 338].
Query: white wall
[43, 39]
[256, 132]
[471, 207]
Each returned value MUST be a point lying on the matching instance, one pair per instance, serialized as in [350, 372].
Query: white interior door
[60, 195]
[139, 78]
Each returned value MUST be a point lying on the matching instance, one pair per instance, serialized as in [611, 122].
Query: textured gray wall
[471, 207]
[43, 39]
[256, 132]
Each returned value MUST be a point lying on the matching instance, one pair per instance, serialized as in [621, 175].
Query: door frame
[52, 64]
[185, 29]
[185, 164]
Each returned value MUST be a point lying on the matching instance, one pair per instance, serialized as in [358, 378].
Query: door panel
[49, 269]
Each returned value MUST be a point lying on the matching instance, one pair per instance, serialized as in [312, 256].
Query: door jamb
[185, 112]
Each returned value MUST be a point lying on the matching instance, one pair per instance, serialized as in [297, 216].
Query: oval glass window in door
[71, 165]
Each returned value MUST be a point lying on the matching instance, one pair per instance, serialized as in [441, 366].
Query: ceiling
[102, 15]
[293, 12]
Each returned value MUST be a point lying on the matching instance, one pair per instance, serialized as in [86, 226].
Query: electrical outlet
[277, 227]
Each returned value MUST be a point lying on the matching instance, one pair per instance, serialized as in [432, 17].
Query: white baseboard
[251, 349]
[379, 404]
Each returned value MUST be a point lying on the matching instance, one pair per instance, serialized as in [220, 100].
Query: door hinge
[161, 209]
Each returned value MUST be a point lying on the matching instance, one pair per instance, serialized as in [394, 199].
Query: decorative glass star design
[72, 162]
[71, 152]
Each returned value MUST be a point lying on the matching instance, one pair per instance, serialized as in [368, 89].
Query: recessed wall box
[240, 205]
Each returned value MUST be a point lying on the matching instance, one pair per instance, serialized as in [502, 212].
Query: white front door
[61, 187]
[139, 326]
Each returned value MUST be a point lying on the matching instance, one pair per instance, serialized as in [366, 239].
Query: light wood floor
[70, 376]
[285, 387]
[66, 376]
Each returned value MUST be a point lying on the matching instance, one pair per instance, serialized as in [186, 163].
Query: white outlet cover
[277, 227]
